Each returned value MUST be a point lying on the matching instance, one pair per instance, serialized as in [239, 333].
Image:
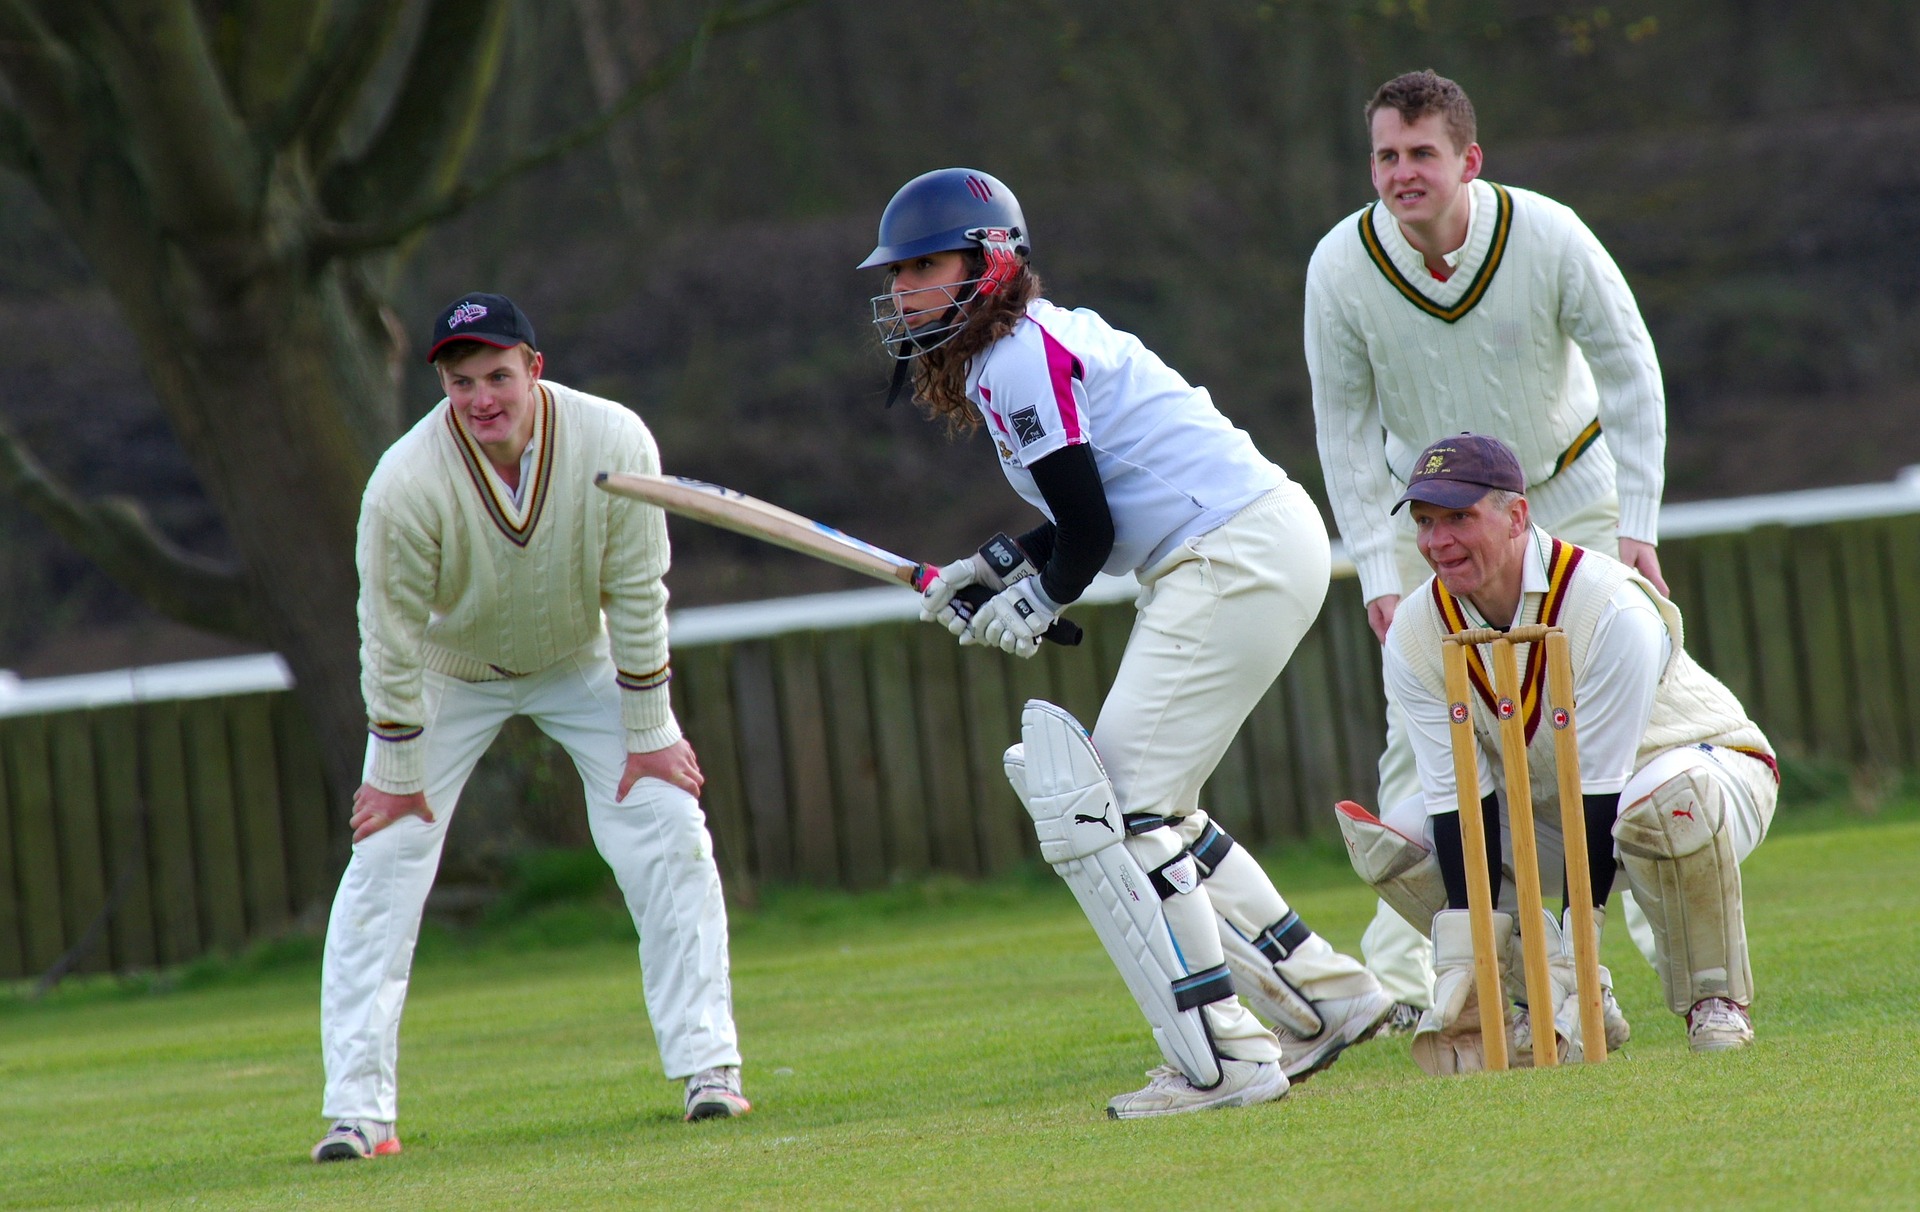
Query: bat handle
[1060, 631]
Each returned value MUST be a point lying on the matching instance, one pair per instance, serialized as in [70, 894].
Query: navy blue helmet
[947, 209]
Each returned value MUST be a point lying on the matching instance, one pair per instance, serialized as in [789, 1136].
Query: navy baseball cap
[489, 319]
[1455, 472]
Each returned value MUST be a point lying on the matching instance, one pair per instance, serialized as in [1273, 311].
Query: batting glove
[1014, 619]
[992, 568]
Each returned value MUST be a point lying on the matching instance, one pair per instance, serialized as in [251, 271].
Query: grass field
[952, 1047]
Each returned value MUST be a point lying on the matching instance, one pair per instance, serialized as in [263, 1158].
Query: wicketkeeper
[1678, 785]
[495, 581]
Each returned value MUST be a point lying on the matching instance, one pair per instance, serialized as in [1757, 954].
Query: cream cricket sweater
[1533, 338]
[1690, 705]
[458, 578]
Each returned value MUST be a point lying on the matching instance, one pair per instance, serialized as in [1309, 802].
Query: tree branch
[200, 165]
[335, 239]
[424, 140]
[317, 106]
[116, 534]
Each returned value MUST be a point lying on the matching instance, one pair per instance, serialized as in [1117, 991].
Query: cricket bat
[750, 516]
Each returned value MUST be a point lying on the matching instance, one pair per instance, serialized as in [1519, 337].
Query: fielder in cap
[1451, 303]
[1133, 470]
[486, 562]
[1677, 784]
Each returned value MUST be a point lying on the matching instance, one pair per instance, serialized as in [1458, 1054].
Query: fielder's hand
[1014, 619]
[676, 764]
[374, 809]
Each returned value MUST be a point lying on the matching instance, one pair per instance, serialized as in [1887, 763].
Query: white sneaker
[357, 1140]
[715, 1094]
[1345, 1021]
[1168, 1092]
[1401, 1020]
[1718, 1025]
[1618, 1029]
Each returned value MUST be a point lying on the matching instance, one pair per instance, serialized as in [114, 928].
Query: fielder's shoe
[715, 1094]
[1168, 1092]
[1345, 1021]
[1718, 1025]
[1401, 1020]
[357, 1140]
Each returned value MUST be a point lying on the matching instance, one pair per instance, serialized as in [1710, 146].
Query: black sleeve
[1070, 549]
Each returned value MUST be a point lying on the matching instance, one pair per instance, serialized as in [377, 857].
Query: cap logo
[466, 313]
[979, 189]
[1436, 463]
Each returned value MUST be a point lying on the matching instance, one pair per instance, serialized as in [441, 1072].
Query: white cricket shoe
[357, 1140]
[1345, 1021]
[1401, 1020]
[1619, 1031]
[1718, 1025]
[715, 1094]
[1168, 1092]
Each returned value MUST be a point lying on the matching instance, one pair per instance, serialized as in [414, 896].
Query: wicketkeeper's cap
[489, 319]
[1455, 472]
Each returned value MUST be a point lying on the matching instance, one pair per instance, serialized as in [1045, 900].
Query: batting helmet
[947, 209]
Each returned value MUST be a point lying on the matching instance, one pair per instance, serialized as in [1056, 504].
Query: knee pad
[1679, 860]
[1123, 883]
[1402, 870]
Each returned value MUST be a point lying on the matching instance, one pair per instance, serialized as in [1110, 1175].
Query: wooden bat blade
[757, 519]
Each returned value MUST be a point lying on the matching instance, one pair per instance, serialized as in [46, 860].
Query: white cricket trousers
[656, 842]
[1396, 952]
[1218, 620]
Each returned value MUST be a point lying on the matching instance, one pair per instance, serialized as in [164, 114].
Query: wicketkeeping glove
[1014, 619]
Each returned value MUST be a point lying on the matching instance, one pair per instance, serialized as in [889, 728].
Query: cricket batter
[1134, 470]
[1456, 304]
[1677, 784]
[495, 581]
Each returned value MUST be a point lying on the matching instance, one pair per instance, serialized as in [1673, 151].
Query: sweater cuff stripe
[644, 681]
[383, 731]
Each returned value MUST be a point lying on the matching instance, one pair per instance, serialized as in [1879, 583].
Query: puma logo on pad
[1081, 818]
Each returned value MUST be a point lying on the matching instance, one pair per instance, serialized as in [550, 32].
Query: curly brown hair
[940, 375]
[1417, 94]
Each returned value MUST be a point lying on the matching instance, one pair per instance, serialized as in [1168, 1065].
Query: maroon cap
[489, 319]
[1455, 472]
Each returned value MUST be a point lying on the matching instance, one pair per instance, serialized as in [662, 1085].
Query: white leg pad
[1680, 861]
[1065, 789]
[1402, 870]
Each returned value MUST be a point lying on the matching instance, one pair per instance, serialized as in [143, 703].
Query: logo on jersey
[466, 313]
[1006, 456]
[1026, 426]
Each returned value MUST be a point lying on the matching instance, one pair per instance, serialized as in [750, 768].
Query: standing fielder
[1672, 772]
[1456, 304]
[1135, 470]
[494, 582]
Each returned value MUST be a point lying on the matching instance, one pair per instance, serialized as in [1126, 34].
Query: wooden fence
[853, 757]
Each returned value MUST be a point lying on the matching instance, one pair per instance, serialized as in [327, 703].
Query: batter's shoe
[715, 1094]
[1718, 1025]
[1346, 1021]
[357, 1140]
[1168, 1092]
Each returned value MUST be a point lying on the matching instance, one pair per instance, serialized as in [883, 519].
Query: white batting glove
[1014, 619]
[936, 600]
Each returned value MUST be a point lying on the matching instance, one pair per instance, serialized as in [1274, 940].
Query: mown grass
[941, 1045]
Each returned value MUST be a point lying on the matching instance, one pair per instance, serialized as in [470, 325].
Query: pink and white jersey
[1172, 466]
